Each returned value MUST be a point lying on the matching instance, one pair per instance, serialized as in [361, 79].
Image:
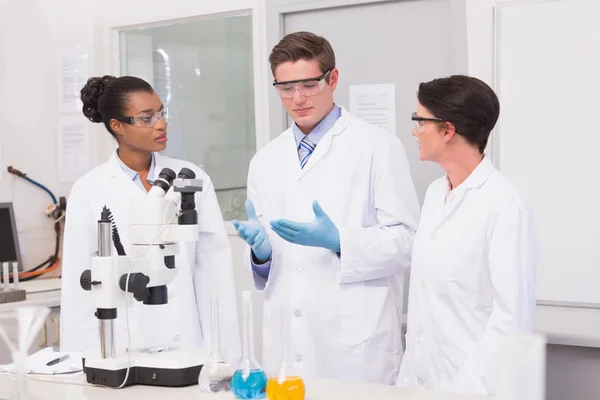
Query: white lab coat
[343, 313]
[205, 268]
[472, 281]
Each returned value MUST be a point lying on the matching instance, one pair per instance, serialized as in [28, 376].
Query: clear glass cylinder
[215, 375]
[249, 380]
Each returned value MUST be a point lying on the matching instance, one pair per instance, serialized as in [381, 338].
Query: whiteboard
[548, 136]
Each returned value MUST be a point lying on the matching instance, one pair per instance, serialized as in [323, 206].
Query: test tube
[15, 270]
[6, 276]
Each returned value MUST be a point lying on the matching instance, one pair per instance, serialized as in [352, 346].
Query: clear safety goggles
[307, 87]
[419, 122]
[146, 119]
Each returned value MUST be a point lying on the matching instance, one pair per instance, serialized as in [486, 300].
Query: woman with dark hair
[475, 253]
[134, 115]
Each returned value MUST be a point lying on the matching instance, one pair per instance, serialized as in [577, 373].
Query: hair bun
[90, 94]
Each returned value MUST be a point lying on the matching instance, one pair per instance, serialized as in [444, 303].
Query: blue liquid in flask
[252, 386]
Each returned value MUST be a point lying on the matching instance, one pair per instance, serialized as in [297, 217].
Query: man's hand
[254, 234]
[320, 232]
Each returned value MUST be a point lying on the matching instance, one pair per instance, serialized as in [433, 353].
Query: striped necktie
[305, 150]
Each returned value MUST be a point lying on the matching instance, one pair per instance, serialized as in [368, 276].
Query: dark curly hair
[105, 98]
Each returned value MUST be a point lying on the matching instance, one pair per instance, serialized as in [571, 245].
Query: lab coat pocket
[451, 361]
[461, 270]
[353, 330]
[366, 316]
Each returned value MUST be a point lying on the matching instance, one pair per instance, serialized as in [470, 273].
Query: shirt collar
[133, 174]
[476, 178]
[321, 129]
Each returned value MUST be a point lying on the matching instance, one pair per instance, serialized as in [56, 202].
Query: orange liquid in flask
[290, 389]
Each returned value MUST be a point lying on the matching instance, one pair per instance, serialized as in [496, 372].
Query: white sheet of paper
[36, 363]
[375, 104]
[72, 75]
[1, 165]
[74, 153]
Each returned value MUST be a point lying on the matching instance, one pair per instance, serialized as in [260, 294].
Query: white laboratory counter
[569, 326]
[566, 326]
[316, 389]
[41, 292]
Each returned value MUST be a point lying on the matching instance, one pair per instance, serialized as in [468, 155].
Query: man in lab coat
[332, 215]
[475, 257]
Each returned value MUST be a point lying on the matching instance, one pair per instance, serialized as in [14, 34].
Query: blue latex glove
[320, 232]
[254, 234]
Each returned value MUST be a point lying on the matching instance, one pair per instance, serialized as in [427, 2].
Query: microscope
[157, 223]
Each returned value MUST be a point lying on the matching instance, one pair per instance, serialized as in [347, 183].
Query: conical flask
[249, 380]
[215, 376]
[287, 385]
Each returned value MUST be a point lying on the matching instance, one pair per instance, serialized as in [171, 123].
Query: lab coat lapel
[438, 216]
[122, 182]
[325, 143]
[476, 179]
[289, 154]
[445, 212]
[159, 164]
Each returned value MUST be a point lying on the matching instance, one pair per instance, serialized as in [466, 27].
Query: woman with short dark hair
[475, 253]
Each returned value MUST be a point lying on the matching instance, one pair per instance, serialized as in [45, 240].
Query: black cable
[115, 235]
[54, 257]
[50, 261]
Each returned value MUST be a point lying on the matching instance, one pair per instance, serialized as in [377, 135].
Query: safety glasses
[146, 119]
[419, 122]
[307, 87]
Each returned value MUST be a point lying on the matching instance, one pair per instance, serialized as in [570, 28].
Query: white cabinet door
[53, 329]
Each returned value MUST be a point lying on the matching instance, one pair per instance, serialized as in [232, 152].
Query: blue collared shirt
[135, 177]
[320, 130]
[315, 136]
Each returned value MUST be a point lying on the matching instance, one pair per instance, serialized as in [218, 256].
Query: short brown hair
[303, 46]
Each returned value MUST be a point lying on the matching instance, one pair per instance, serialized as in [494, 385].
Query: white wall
[32, 32]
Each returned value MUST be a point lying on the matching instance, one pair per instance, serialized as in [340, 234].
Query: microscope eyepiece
[163, 183]
[168, 174]
[186, 173]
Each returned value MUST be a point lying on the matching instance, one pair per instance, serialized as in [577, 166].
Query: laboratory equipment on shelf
[215, 376]
[249, 380]
[10, 291]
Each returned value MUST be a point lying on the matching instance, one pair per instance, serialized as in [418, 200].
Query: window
[203, 72]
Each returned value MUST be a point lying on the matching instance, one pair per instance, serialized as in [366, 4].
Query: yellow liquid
[291, 389]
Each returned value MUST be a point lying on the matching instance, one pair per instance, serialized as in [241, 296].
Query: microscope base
[171, 368]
